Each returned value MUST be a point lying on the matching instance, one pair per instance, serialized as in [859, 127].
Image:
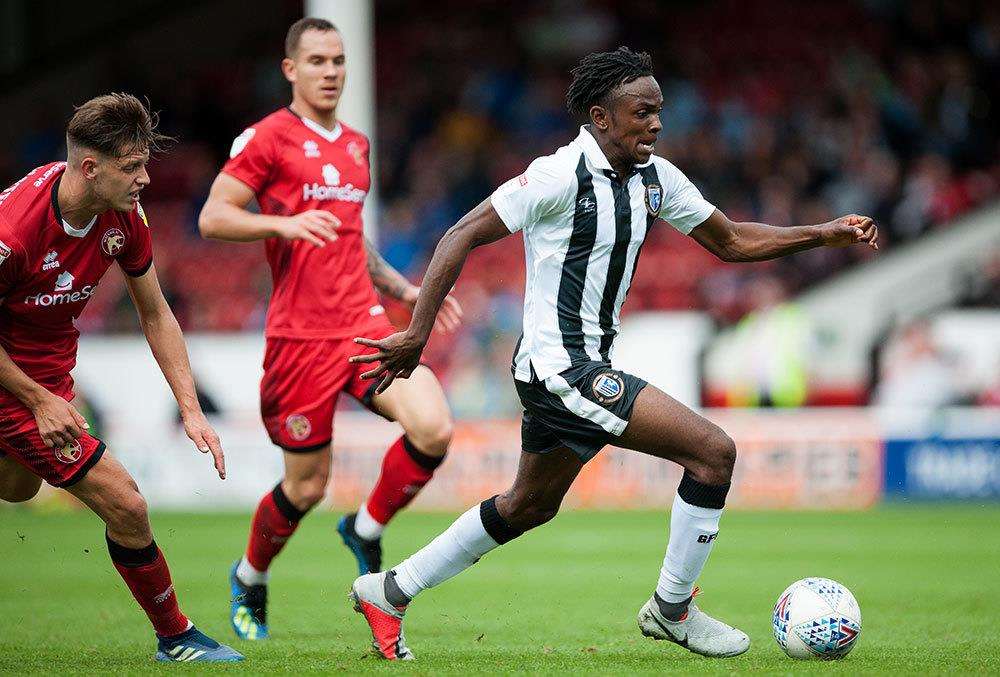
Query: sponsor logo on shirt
[65, 281]
[59, 298]
[51, 260]
[113, 241]
[332, 190]
[311, 148]
[241, 141]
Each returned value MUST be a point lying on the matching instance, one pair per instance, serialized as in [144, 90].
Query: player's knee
[306, 493]
[21, 492]
[433, 435]
[720, 458]
[524, 515]
[129, 514]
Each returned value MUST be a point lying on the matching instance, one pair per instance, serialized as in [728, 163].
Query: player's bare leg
[113, 495]
[418, 404]
[277, 517]
[663, 427]
[533, 499]
[17, 483]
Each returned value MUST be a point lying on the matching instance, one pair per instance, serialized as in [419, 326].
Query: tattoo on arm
[386, 279]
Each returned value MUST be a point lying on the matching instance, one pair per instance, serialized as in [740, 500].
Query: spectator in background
[915, 372]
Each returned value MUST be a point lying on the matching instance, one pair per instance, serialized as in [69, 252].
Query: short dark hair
[116, 125]
[296, 30]
[600, 73]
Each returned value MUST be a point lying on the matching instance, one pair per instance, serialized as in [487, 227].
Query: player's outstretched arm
[743, 242]
[167, 343]
[225, 217]
[399, 354]
[390, 282]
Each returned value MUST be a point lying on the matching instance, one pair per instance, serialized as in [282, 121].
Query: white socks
[692, 534]
[366, 526]
[451, 553]
[250, 576]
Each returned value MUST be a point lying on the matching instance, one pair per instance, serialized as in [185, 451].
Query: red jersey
[294, 165]
[50, 270]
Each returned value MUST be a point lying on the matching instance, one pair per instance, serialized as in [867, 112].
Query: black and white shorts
[585, 408]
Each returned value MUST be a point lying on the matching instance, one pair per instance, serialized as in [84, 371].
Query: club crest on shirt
[113, 242]
[608, 387]
[4, 251]
[69, 453]
[298, 427]
[654, 199]
[354, 150]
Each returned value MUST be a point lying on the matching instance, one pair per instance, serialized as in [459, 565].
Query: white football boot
[696, 631]
[384, 619]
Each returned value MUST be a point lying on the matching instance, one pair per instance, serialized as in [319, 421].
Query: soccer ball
[816, 618]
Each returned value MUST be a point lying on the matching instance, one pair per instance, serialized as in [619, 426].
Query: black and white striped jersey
[584, 226]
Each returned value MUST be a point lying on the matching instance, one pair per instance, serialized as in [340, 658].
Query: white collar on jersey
[329, 135]
[594, 153]
[78, 232]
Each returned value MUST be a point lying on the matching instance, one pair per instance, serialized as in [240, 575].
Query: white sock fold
[692, 534]
[250, 576]
[366, 526]
[452, 552]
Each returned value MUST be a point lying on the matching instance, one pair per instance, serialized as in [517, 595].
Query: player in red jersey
[61, 228]
[309, 173]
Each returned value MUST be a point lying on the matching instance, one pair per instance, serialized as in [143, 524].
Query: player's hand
[59, 423]
[204, 437]
[314, 226]
[399, 355]
[850, 229]
[448, 318]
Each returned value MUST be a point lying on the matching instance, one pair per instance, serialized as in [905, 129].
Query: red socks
[405, 470]
[273, 524]
[146, 574]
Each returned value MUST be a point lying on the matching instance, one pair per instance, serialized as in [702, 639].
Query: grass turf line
[560, 599]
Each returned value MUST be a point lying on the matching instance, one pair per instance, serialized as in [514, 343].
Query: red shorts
[303, 379]
[19, 439]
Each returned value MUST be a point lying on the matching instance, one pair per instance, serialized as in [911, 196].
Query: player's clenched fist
[850, 229]
[315, 226]
[59, 423]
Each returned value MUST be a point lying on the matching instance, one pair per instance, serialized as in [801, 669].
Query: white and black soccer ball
[816, 618]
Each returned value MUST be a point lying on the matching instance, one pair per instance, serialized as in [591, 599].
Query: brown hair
[296, 30]
[116, 125]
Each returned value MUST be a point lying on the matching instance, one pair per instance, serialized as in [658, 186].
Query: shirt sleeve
[251, 158]
[11, 263]
[526, 199]
[683, 206]
[136, 256]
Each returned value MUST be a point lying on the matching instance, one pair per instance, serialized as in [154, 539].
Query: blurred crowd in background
[788, 117]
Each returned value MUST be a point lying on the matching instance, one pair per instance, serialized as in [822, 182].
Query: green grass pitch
[562, 599]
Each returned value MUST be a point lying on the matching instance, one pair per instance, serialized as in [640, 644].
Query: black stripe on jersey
[649, 177]
[616, 264]
[574, 272]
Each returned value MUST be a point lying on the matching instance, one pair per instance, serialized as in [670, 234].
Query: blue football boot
[248, 608]
[191, 646]
[368, 553]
